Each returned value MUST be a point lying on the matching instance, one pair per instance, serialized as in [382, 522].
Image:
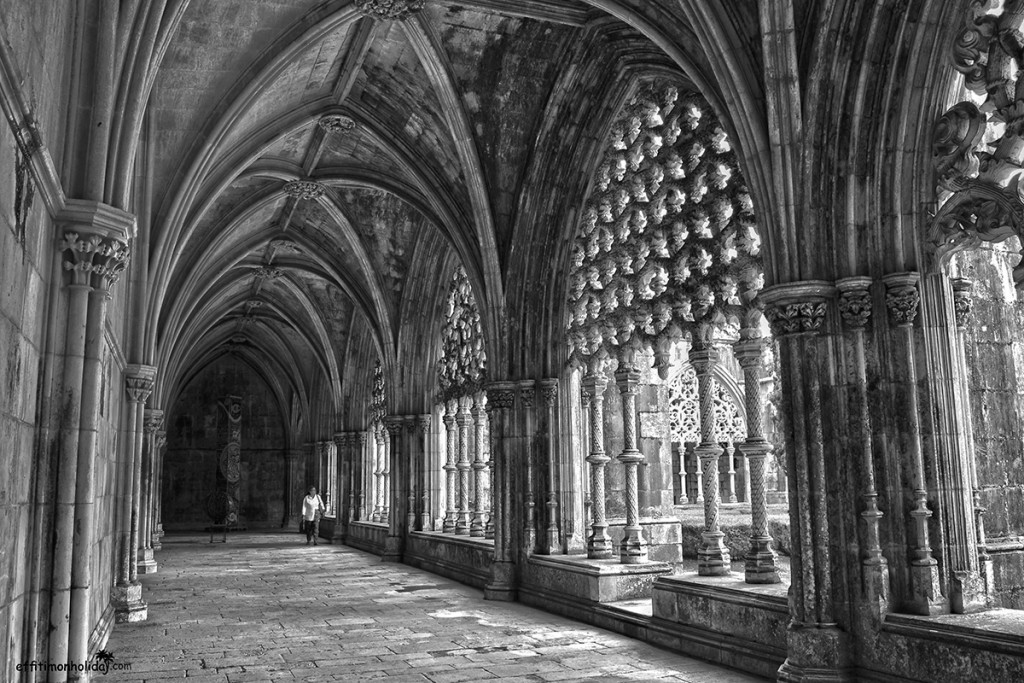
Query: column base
[502, 586]
[817, 652]
[633, 549]
[392, 549]
[129, 607]
[713, 559]
[968, 594]
[599, 546]
[876, 588]
[926, 596]
[154, 542]
[146, 563]
[760, 565]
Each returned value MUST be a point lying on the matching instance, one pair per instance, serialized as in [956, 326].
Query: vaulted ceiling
[317, 172]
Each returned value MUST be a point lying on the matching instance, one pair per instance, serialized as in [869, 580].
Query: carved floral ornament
[336, 123]
[389, 9]
[668, 241]
[304, 189]
[462, 368]
[977, 148]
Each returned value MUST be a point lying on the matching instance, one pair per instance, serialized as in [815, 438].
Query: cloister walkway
[267, 607]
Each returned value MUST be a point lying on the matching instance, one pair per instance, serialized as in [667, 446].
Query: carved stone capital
[963, 300]
[389, 9]
[139, 381]
[797, 307]
[304, 189]
[94, 242]
[855, 301]
[336, 123]
[500, 397]
[153, 420]
[901, 297]
[749, 352]
[549, 392]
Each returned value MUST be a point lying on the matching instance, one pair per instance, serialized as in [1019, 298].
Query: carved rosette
[668, 239]
[93, 260]
[304, 189]
[264, 273]
[855, 301]
[462, 368]
[399, 10]
[336, 123]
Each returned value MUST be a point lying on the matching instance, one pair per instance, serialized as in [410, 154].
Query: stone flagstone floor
[266, 607]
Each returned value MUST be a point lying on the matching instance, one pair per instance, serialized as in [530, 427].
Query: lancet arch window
[667, 251]
[462, 504]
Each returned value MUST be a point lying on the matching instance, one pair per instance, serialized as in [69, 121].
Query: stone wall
[33, 35]
[193, 448]
[994, 346]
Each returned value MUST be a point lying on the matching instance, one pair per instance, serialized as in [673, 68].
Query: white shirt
[310, 504]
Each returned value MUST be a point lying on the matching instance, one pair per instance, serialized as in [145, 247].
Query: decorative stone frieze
[304, 189]
[336, 123]
[796, 317]
[399, 10]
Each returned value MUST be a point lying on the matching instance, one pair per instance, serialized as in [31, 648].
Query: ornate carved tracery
[462, 368]
[684, 411]
[977, 148]
[668, 239]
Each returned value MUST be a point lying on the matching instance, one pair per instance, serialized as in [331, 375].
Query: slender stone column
[451, 471]
[962, 305]
[343, 504]
[423, 435]
[730, 473]
[463, 420]
[760, 559]
[480, 473]
[633, 549]
[855, 308]
[713, 557]
[157, 490]
[489, 455]
[396, 431]
[378, 473]
[153, 422]
[552, 539]
[818, 649]
[500, 413]
[698, 477]
[127, 594]
[350, 452]
[903, 299]
[599, 544]
[363, 439]
[525, 427]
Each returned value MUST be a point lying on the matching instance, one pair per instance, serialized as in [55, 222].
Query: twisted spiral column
[760, 560]
[450, 409]
[599, 545]
[713, 557]
[633, 549]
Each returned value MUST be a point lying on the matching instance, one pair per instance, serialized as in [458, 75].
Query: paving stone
[273, 609]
